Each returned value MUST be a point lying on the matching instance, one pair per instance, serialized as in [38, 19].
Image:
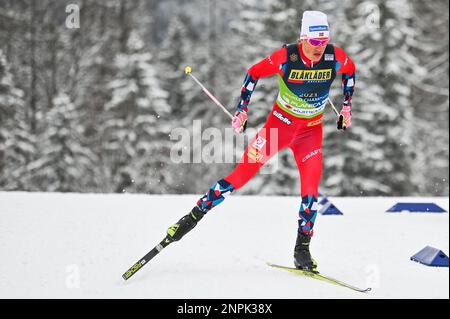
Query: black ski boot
[184, 225]
[302, 256]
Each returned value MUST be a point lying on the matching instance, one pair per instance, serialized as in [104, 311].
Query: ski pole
[188, 71]
[333, 107]
[341, 117]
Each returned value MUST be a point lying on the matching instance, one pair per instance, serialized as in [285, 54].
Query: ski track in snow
[78, 246]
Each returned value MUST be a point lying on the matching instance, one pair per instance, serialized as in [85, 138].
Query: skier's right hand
[239, 122]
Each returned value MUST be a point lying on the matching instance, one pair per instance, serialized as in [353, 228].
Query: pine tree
[16, 144]
[92, 50]
[64, 163]
[373, 156]
[431, 98]
[184, 97]
[177, 52]
[118, 105]
[187, 44]
[134, 132]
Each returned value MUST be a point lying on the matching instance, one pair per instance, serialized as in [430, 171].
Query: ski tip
[275, 265]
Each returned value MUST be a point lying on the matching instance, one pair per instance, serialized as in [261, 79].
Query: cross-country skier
[305, 72]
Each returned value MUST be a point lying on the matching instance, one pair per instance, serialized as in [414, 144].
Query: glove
[345, 118]
[239, 122]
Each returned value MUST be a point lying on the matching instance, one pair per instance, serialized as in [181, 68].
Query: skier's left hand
[345, 118]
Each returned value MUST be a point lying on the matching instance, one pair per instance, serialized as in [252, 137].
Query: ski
[319, 276]
[149, 256]
[174, 233]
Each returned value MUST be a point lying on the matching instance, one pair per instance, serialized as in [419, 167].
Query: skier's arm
[345, 66]
[266, 67]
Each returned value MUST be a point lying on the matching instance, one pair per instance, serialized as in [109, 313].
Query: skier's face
[313, 52]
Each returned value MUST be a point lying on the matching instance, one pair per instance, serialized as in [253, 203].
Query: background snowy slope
[47, 240]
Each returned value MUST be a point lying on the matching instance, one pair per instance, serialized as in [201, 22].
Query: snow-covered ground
[78, 246]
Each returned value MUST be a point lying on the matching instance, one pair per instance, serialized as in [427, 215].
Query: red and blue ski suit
[295, 122]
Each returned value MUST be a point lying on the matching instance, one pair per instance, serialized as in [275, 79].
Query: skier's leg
[308, 156]
[215, 195]
[267, 142]
[264, 145]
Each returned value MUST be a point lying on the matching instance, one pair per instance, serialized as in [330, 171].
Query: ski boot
[302, 256]
[184, 225]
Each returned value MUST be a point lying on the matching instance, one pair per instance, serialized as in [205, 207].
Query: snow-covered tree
[431, 98]
[176, 52]
[397, 145]
[64, 163]
[374, 155]
[16, 144]
[133, 130]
